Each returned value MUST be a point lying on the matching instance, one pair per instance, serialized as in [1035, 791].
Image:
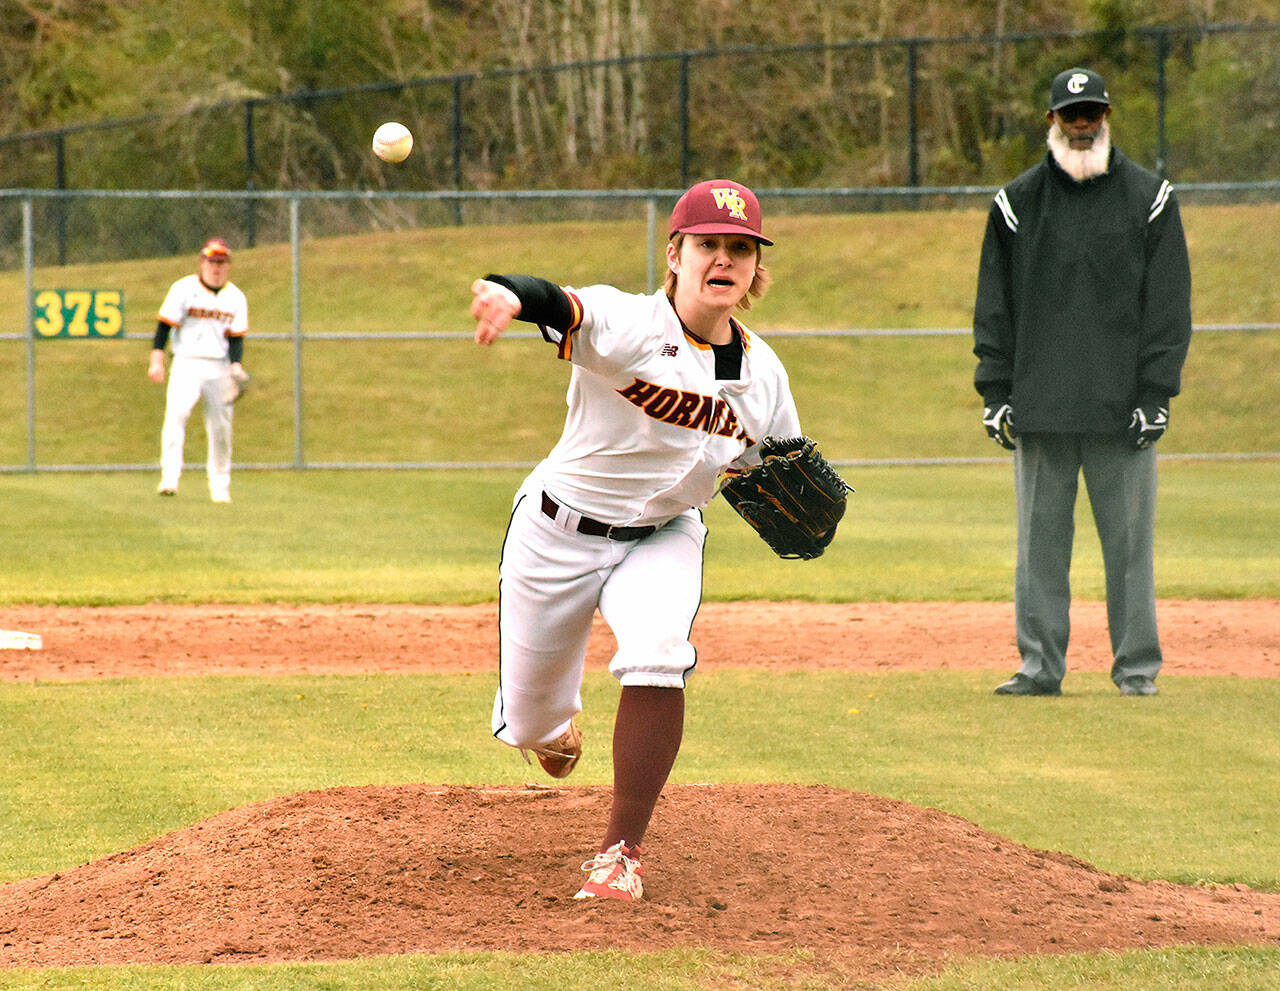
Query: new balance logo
[670, 350]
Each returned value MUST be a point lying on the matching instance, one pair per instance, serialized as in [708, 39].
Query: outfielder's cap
[718, 206]
[1077, 86]
[215, 247]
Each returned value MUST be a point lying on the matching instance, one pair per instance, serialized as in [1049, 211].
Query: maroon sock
[646, 738]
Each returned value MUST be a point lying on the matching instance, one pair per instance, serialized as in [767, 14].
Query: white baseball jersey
[650, 429]
[203, 319]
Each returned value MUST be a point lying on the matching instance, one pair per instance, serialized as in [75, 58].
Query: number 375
[79, 313]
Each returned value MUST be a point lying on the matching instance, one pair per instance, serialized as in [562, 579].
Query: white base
[17, 640]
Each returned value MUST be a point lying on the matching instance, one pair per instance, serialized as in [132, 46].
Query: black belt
[595, 528]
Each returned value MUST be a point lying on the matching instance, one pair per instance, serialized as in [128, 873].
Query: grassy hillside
[388, 400]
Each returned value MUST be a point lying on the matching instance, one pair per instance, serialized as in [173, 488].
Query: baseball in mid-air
[392, 142]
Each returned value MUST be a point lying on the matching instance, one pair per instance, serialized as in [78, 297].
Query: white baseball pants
[552, 580]
[190, 381]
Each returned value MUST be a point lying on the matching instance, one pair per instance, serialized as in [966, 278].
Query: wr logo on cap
[1077, 83]
[728, 199]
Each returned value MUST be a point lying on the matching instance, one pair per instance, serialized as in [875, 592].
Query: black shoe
[1138, 684]
[1020, 684]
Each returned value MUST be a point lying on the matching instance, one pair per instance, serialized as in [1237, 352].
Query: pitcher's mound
[868, 884]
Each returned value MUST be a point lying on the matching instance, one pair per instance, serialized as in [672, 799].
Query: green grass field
[1184, 789]
[933, 533]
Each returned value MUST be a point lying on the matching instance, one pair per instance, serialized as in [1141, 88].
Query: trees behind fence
[1194, 102]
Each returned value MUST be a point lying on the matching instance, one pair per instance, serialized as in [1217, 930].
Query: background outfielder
[667, 391]
[208, 316]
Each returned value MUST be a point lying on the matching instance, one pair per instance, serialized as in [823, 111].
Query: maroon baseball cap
[718, 206]
[215, 247]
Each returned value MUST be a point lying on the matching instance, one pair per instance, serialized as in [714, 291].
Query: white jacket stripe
[1010, 218]
[1162, 197]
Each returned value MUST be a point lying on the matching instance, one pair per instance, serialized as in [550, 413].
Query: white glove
[999, 423]
[1147, 425]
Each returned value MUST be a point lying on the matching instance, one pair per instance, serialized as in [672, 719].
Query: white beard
[1085, 163]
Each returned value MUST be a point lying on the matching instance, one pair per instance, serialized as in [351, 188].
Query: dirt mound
[868, 884]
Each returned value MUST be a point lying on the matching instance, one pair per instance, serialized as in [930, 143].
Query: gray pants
[1121, 482]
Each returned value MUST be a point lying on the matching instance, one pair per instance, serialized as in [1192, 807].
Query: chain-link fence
[1197, 103]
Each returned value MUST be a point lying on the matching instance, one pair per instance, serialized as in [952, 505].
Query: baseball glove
[793, 498]
[237, 384]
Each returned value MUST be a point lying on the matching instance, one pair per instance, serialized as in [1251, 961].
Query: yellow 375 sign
[79, 313]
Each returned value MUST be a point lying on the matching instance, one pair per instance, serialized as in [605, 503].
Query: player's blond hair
[759, 283]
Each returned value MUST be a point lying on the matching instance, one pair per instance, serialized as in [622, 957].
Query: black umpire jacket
[1084, 298]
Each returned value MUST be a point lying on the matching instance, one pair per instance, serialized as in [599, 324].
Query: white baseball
[392, 142]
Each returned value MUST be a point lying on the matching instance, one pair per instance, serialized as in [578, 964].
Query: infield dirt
[1239, 638]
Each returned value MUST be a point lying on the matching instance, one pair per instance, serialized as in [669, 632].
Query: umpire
[1081, 327]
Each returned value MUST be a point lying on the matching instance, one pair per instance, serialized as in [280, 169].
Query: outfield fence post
[60, 206]
[650, 216]
[299, 456]
[684, 119]
[250, 169]
[28, 265]
[1162, 93]
[456, 133]
[913, 124]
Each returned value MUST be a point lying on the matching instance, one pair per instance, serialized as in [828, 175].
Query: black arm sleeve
[235, 349]
[162, 336]
[541, 302]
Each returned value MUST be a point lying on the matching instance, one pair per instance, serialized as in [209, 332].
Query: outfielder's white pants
[190, 381]
[552, 579]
